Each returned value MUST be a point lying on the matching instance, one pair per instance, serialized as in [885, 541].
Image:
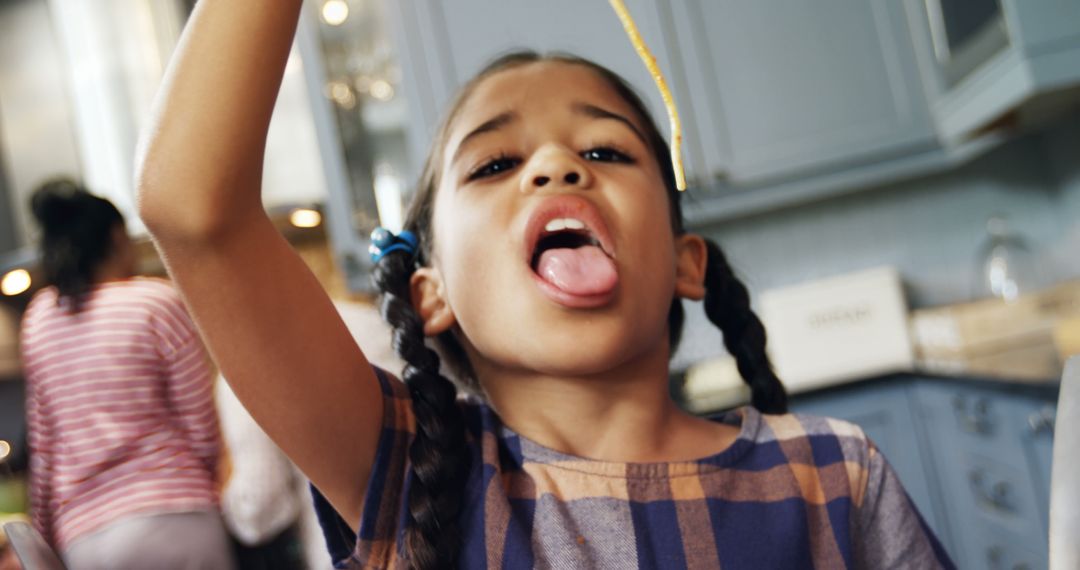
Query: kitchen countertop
[1047, 386]
[735, 396]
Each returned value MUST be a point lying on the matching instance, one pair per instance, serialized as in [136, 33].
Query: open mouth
[570, 253]
[563, 233]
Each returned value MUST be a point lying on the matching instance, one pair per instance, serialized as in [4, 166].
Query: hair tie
[383, 241]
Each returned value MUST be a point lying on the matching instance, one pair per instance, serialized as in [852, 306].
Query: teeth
[555, 225]
[559, 224]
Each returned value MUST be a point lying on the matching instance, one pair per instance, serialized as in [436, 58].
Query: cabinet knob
[1043, 420]
[995, 495]
[973, 416]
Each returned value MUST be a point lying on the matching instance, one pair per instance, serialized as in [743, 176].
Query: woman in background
[123, 432]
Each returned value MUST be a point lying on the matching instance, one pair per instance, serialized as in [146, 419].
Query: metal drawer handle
[1043, 420]
[973, 417]
[994, 495]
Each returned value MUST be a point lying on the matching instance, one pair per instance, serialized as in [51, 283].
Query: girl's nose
[555, 168]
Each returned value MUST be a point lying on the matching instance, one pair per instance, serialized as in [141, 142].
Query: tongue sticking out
[582, 271]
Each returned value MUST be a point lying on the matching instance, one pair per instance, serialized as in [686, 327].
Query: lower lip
[571, 301]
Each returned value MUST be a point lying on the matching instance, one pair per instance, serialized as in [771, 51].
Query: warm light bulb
[381, 90]
[342, 94]
[335, 12]
[305, 218]
[5, 450]
[15, 282]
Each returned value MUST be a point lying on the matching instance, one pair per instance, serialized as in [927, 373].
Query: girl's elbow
[151, 207]
[173, 212]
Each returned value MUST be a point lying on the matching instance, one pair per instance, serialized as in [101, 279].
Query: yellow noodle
[665, 93]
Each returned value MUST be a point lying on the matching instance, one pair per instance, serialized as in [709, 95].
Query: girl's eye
[493, 167]
[606, 154]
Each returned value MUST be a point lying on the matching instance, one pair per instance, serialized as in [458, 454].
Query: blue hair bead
[382, 237]
[383, 242]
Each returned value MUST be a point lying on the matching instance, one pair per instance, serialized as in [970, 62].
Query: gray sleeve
[889, 531]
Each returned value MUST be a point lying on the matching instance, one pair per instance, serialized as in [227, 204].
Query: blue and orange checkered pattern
[792, 491]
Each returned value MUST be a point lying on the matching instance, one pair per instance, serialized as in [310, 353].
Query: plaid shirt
[792, 491]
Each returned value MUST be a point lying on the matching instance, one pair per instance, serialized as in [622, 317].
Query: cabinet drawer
[1000, 495]
[981, 420]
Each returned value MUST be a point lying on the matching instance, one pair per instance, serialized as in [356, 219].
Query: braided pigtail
[438, 454]
[727, 304]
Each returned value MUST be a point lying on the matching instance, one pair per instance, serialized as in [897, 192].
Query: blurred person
[123, 432]
[264, 496]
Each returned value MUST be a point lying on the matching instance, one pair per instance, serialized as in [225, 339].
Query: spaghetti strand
[665, 93]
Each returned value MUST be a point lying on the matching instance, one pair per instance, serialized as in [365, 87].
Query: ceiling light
[16, 282]
[335, 12]
[381, 90]
[342, 94]
[305, 218]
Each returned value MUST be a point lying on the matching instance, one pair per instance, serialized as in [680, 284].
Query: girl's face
[553, 250]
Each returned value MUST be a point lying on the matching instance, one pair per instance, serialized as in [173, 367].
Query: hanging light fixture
[381, 90]
[305, 218]
[15, 282]
[335, 12]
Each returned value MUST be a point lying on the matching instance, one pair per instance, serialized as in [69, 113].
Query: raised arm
[264, 317]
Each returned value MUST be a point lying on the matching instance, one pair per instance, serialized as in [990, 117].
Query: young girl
[545, 251]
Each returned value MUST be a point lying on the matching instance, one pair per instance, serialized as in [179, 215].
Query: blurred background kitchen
[897, 181]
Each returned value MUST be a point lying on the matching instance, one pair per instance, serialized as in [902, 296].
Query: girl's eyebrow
[493, 124]
[595, 112]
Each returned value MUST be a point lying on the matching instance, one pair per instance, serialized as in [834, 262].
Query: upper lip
[567, 206]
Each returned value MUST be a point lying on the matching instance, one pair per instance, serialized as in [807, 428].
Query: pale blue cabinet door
[450, 41]
[786, 88]
[767, 89]
[883, 409]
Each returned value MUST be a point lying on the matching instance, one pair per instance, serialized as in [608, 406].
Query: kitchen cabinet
[767, 90]
[992, 484]
[788, 88]
[1018, 66]
[974, 457]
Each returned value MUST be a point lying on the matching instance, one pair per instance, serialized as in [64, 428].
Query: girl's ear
[429, 300]
[692, 258]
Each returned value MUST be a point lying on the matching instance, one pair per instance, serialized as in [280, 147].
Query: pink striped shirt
[120, 409]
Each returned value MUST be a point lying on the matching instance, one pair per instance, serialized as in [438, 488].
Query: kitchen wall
[930, 228]
[1063, 146]
[37, 138]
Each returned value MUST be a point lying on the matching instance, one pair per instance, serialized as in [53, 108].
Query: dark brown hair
[76, 236]
[439, 455]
